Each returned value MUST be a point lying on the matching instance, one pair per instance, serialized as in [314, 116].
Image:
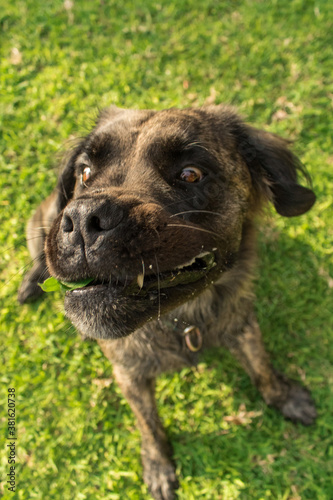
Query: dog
[157, 209]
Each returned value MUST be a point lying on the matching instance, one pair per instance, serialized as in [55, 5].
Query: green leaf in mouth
[53, 285]
[184, 276]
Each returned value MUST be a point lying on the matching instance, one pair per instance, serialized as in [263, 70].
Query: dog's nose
[88, 220]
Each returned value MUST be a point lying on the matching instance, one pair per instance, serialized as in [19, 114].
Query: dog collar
[193, 334]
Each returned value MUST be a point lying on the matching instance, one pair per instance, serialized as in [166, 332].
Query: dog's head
[152, 207]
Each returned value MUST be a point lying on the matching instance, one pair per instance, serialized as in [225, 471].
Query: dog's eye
[85, 175]
[191, 174]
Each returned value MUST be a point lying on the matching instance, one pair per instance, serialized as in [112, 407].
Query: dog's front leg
[36, 231]
[158, 469]
[289, 397]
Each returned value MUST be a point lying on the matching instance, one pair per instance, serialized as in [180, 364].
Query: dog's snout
[83, 219]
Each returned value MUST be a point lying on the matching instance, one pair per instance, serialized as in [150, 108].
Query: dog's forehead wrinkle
[107, 143]
[178, 133]
[115, 141]
[128, 122]
[154, 136]
[116, 137]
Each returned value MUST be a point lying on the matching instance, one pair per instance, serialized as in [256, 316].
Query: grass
[76, 435]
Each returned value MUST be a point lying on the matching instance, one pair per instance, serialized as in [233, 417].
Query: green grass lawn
[76, 434]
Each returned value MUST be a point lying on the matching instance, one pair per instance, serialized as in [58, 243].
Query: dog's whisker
[143, 271]
[125, 284]
[196, 211]
[193, 227]
[22, 269]
[70, 330]
[167, 205]
[158, 289]
[43, 274]
[158, 234]
[197, 145]
[19, 243]
[30, 238]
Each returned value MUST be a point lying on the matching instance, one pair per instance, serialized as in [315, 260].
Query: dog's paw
[160, 478]
[29, 290]
[299, 405]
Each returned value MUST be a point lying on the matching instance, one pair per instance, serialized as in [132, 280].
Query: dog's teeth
[202, 254]
[139, 280]
[190, 262]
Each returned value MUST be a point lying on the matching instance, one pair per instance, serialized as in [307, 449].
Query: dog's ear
[274, 170]
[67, 179]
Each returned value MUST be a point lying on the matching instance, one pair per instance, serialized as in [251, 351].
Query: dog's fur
[138, 217]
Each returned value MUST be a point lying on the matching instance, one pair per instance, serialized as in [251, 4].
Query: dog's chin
[103, 312]
[109, 311]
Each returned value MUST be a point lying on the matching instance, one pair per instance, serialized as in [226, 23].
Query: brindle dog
[158, 207]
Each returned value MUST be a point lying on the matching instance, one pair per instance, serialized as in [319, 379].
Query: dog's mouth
[113, 310]
[143, 286]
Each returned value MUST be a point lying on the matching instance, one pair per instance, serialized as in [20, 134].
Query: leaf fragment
[53, 285]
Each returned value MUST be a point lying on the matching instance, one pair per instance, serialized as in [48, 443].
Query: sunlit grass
[76, 436]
